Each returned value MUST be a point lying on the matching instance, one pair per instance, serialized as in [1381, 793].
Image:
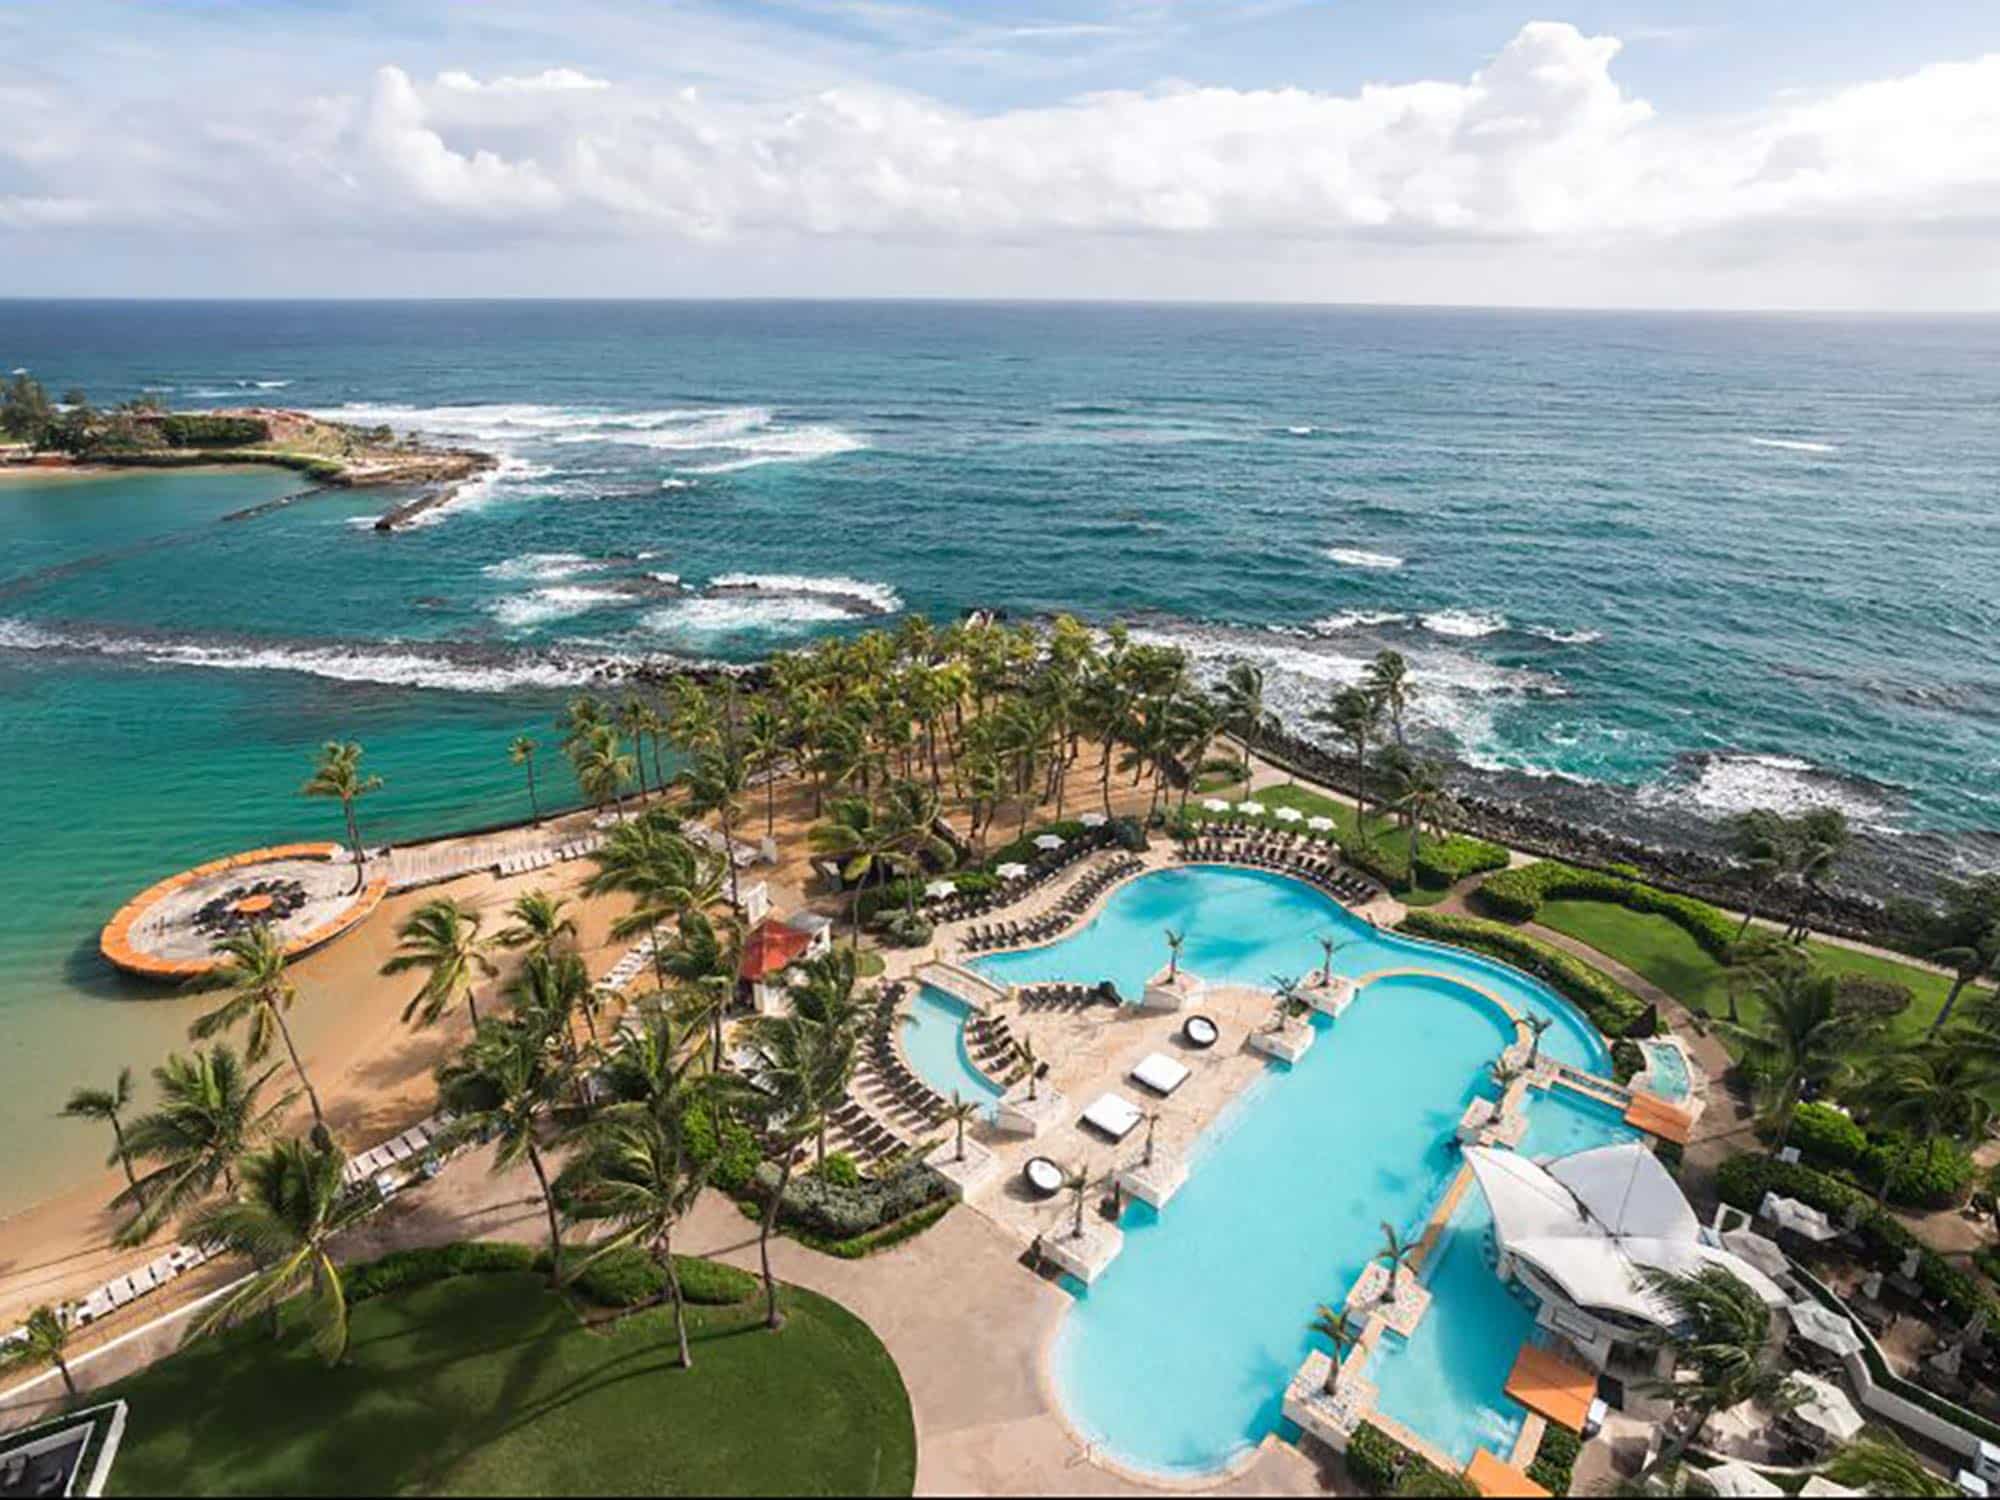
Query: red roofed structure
[771, 948]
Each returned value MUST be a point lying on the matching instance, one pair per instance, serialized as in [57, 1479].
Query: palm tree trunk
[680, 1307]
[68, 1380]
[1944, 1014]
[548, 1207]
[771, 802]
[285, 1031]
[354, 843]
[125, 1161]
[773, 1319]
[534, 803]
[1750, 914]
[729, 854]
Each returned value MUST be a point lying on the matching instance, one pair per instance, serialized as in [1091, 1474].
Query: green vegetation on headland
[490, 1383]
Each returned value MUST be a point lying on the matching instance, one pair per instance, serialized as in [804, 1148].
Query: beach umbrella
[1048, 841]
[1825, 1327]
[1289, 815]
[1747, 1244]
[1214, 804]
[1251, 809]
[1091, 820]
[1320, 825]
[1734, 1477]
[1010, 870]
[1826, 1409]
[1801, 1218]
[939, 889]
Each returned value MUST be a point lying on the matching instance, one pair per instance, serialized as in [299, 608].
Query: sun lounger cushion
[1160, 1073]
[1113, 1114]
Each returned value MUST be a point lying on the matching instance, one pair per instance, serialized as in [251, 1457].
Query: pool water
[934, 1045]
[1667, 1071]
[1562, 1122]
[1177, 1358]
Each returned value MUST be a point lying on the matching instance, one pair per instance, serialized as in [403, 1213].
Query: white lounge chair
[1160, 1073]
[1114, 1115]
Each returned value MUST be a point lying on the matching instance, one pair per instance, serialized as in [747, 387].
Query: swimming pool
[934, 1044]
[1666, 1071]
[1562, 1122]
[1176, 1359]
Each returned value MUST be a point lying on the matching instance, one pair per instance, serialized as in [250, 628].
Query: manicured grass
[1665, 954]
[488, 1384]
[869, 963]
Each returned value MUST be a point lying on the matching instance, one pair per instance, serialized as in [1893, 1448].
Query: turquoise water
[1244, 926]
[1283, 1208]
[1668, 1074]
[1562, 1121]
[934, 1044]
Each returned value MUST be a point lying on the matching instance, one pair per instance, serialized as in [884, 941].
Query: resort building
[772, 947]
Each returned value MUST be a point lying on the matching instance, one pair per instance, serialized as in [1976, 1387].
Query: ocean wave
[1792, 445]
[1359, 557]
[1464, 624]
[1722, 785]
[387, 664]
[676, 484]
[799, 445]
[545, 605]
[1565, 637]
[1357, 619]
[720, 615]
[544, 566]
[876, 598]
[1303, 430]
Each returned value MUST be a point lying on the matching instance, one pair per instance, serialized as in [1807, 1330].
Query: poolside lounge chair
[1114, 1115]
[1160, 1073]
[1200, 1032]
[1044, 1178]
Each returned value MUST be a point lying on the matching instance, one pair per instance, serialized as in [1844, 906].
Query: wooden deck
[1657, 1117]
[1492, 1477]
[1547, 1383]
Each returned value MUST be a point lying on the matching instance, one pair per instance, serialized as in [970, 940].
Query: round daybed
[1200, 1032]
[1044, 1178]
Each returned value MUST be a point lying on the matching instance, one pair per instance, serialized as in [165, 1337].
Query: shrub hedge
[1518, 894]
[1555, 1458]
[1826, 1137]
[1742, 1182]
[201, 430]
[1381, 1466]
[1440, 865]
[400, 1270]
[732, 1164]
[1919, 1176]
[631, 1278]
[842, 1211]
[1611, 1007]
[624, 1278]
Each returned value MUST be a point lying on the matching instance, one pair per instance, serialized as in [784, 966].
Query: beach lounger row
[540, 859]
[1041, 869]
[1066, 996]
[1307, 860]
[1072, 904]
[622, 973]
[889, 1078]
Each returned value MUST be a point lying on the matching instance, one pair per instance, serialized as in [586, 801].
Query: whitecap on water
[543, 565]
[1356, 619]
[1361, 557]
[1464, 624]
[545, 605]
[878, 597]
[1792, 445]
[1722, 785]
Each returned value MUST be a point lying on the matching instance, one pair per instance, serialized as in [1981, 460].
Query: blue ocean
[1648, 569]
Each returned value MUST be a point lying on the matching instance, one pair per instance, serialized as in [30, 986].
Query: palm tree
[1877, 1463]
[502, 1087]
[1285, 995]
[1025, 1046]
[602, 767]
[1078, 1181]
[1395, 1254]
[957, 1113]
[1822, 834]
[44, 1338]
[664, 873]
[1424, 800]
[210, 1112]
[1803, 1038]
[1355, 715]
[635, 1172]
[1240, 695]
[292, 1204]
[715, 784]
[441, 937]
[1339, 1331]
[1174, 942]
[1932, 1089]
[802, 1073]
[338, 774]
[1328, 946]
[107, 1105]
[1537, 1028]
[1386, 679]
[549, 992]
[1761, 840]
[540, 925]
[705, 960]
[856, 835]
[1969, 965]
[1720, 1331]
[261, 991]
[765, 740]
[1744, 962]
[522, 752]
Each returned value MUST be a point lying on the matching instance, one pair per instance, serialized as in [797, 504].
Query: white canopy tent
[1801, 1218]
[1251, 809]
[1214, 804]
[1822, 1326]
[1049, 841]
[1010, 870]
[1091, 819]
[1320, 824]
[1826, 1409]
[1592, 1222]
[1734, 1477]
[939, 889]
[1288, 815]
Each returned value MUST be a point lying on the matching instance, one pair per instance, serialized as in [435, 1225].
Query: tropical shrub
[1387, 859]
[1935, 1176]
[1518, 894]
[840, 1168]
[629, 1277]
[1128, 834]
[841, 1211]
[1374, 1459]
[202, 430]
[1555, 1458]
[1826, 1137]
[906, 929]
[1612, 1008]
[1445, 863]
[400, 1270]
[732, 1162]
[1627, 1060]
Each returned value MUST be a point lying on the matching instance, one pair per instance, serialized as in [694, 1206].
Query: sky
[1604, 153]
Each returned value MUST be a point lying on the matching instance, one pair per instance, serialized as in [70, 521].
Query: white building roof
[1591, 1222]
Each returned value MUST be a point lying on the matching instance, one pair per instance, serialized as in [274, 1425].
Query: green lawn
[489, 1384]
[1665, 954]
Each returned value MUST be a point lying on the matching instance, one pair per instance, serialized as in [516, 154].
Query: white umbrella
[1320, 825]
[1821, 1325]
[1801, 1218]
[1091, 820]
[1214, 804]
[1762, 1253]
[1288, 815]
[1251, 809]
[941, 888]
[1048, 841]
[1826, 1409]
[1010, 870]
[1734, 1477]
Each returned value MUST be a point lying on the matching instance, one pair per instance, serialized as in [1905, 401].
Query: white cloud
[1542, 146]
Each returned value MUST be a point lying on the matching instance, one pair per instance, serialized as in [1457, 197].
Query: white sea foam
[544, 566]
[1306, 431]
[676, 484]
[1566, 637]
[1792, 445]
[669, 578]
[799, 445]
[1464, 624]
[735, 614]
[678, 431]
[1727, 784]
[1358, 557]
[879, 596]
[388, 664]
[545, 605]
[1356, 619]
